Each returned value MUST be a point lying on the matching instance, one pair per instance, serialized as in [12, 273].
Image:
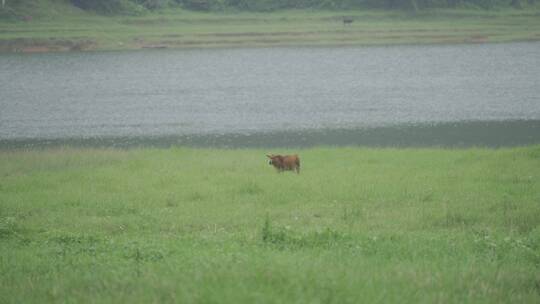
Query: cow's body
[285, 162]
[347, 20]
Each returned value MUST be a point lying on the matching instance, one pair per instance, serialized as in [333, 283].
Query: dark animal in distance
[347, 20]
[285, 162]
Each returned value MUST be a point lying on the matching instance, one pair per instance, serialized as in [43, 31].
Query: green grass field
[57, 27]
[185, 225]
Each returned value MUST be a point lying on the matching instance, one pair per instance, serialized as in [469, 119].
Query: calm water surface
[272, 92]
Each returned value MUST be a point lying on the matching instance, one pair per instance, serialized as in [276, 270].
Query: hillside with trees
[113, 6]
[134, 7]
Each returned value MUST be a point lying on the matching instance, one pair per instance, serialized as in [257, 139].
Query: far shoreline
[28, 50]
[450, 135]
[180, 29]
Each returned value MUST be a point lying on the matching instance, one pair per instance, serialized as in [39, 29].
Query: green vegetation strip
[221, 226]
[176, 28]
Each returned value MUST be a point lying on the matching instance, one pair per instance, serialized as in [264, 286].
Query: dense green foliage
[139, 6]
[221, 226]
[269, 5]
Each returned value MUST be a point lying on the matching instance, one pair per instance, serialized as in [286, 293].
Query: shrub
[110, 7]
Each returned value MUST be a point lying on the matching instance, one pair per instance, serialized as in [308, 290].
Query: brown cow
[285, 162]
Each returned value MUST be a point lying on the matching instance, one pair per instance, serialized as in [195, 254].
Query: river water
[470, 94]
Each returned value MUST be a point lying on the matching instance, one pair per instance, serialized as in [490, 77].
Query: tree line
[140, 6]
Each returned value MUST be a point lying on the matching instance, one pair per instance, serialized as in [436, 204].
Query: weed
[8, 227]
[285, 238]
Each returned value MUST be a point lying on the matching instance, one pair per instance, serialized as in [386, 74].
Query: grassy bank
[67, 28]
[220, 226]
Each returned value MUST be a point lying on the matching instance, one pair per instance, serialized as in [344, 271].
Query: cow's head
[275, 160]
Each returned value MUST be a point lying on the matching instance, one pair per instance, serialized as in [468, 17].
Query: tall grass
[202, 225]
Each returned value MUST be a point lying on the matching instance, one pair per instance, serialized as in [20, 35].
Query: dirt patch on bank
[29, 45]
[477, 39]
